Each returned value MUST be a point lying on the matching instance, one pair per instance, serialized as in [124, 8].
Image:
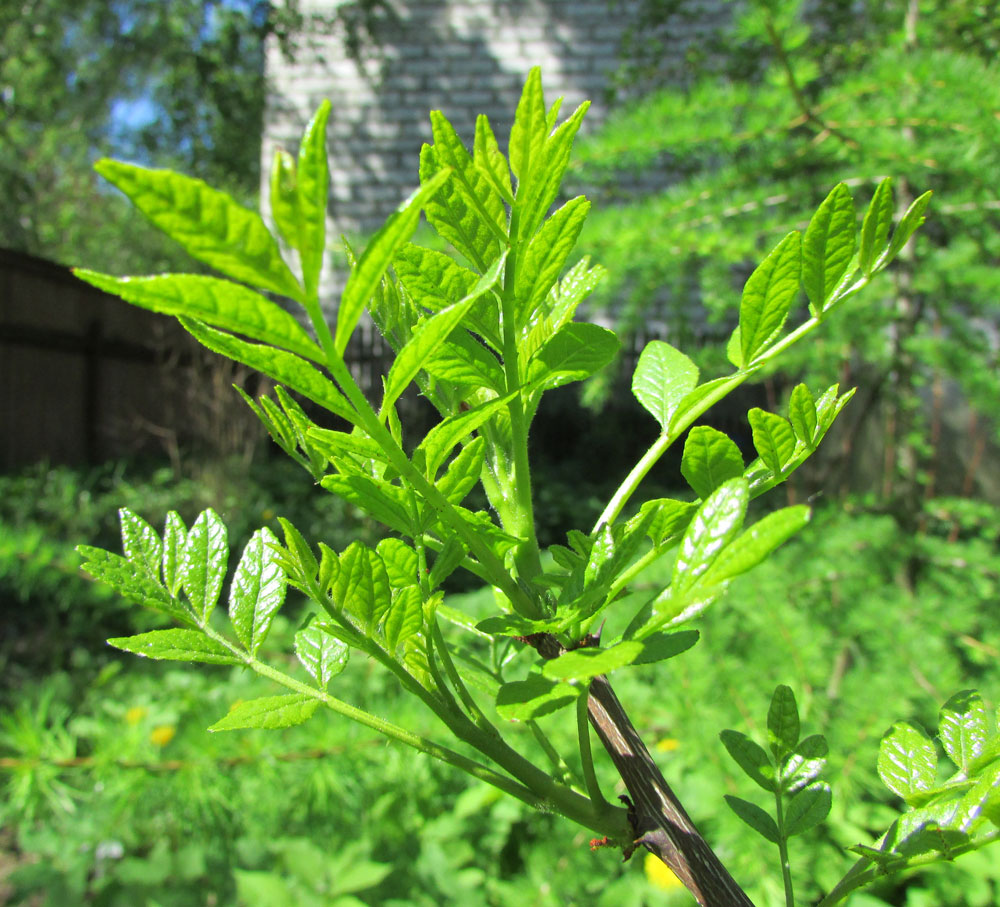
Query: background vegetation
[882, 607]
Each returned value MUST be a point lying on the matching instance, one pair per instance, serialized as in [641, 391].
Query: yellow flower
[659, 874]
[667, 745]
[135, 714]
[163, 734]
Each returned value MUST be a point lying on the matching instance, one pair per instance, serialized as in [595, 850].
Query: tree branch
[660, 823]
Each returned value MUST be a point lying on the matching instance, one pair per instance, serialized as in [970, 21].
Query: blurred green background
[886, 604]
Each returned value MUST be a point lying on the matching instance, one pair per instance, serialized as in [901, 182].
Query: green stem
[864, 872]
[677, 428]
[386, 728]
[786, 870]
[527, 558]
[586, 754]
[471, 706]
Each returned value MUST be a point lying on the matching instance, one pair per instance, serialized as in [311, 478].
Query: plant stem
[386, 728]
[660, 446]
[659, 821]
[586, 754]
[527, 556]
[786, 870]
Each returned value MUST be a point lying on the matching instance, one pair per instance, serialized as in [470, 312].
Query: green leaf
[907, 763]
[573, 353]
[528, 134]
[489, 159]
[321, 653]
[473, 189]
[672, 518]
[542, 186]
[302, 566]
[522, 700]
[448, 558]
[755, 817]
[203, 563]
[455, 221]
[546, 256]
[430, 334]
[802, 414]
[269, 712]
[207, 223]
[782, 722]
[663, 377]
[807, 809]
[661, 646]
[284, 367]
[362, 587]
[378, 255]
[828, 246]
[405, 617]
[400, 562]
[464, 360]
[710, 458]
[141, 544]
[388, 503]
[440, 440]
[964, 728]
[714, 525]
[773, 437]
[284, 199]
[463, 472]
[313, 196]
[258, 590]
[218, 302]
[120, 574]
[875, 227]
[907, 226]
[750, 757]
[176, 645]
[578, 283]
[174, 538]
[581, 665]
[828, 407]
[981, 803]
[434, 279]
[768, 296]
[754, 545]
[805, 763]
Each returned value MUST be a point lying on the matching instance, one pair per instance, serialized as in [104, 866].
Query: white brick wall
[463, 57]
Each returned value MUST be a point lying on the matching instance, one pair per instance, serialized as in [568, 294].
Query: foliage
[484, 335]
[51, 609]
[197, 791]
[181, 83]
[763, 113]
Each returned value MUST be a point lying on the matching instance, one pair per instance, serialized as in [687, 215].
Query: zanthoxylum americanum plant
[484, 332]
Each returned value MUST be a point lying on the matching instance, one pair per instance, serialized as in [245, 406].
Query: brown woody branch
[659, 821]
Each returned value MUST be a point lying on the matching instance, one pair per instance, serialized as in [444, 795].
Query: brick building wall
[463, 57]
